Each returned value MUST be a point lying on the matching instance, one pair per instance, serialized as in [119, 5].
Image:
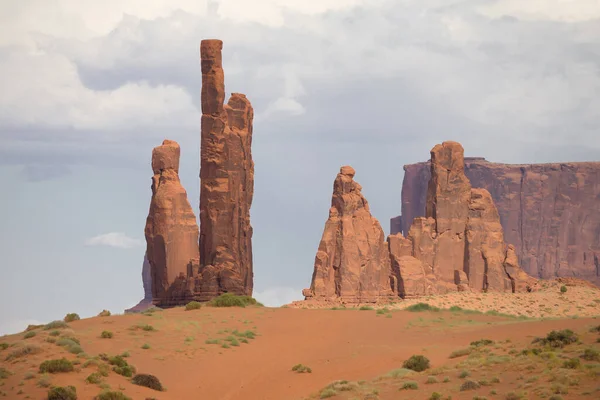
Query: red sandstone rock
[461, 238]
[171, 231]
[227, 183]
[550, 212]
[410, 275]
[352, 263]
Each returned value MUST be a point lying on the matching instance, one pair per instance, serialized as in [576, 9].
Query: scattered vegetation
[4, 373]
[143, 327]
[409, 385]
[193, 305]
[23, 351]
[419, 307]
[106, 335]
[563, 289]
[55, 366]
[120, 365]
[44, 381]
[460, 353]
[145, 346]
[591, 355]
[71, 317]
[56, 325]
[482, 342]
[147, 380]
[32, 327]
[94, 378]
[416, 363]
[71, 344]
[338, 386]
[431, 379]
[435, 396]
[366, 308]
[232, 300]
[104, 313]
[62, 393]
[572, 363]
[111, 395]
[29, 334]
[558, 339]
[469, 385]
[301, 368]
[3, 346]
[54, 333]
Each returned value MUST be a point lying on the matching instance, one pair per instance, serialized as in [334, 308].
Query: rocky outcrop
[411, 278]
[171, 231]
[460, 240]
[550, 212]
[146, 302]
[226, 183]
[352, 263]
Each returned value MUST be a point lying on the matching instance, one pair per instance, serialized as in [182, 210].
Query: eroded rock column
[226, 183]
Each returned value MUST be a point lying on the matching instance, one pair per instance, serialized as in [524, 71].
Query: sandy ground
[547, 302]
[352, 345]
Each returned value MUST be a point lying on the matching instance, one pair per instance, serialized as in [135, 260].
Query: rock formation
[226, 183]
[171, 231]
[459, 242]
[352, 263]
[550, 212]
[146, 302]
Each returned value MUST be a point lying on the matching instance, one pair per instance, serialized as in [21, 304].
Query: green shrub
[572, 363]
[232, 300]
[431, 379]
[595, 328]
[58, 365]
[409, 385]
[246, 334]
[145, 346]
[421, 307]
[482, 342]
[463, 374]
[366, 308]
[106, 335]
[4, 373]
[435, 396]
[32, 327]
[147, 380]
[29, 334]
[326, 393]
[417, 363]
[29, 375]
[193, 305]
[460, 353]
[104, 313]
[71, 317]
[558, 339]
[54, 333]
[56, 325]
[94, 378]
[4, 346]
[563, 289]
[62, 393]
[143, 327]
[513, 396]
[301, 368]
[469, 385]
[591, 355]
[110, 395]
[71, 344]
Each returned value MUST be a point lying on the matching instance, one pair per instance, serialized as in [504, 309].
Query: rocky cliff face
[550, 212]
[171, 231]
[459, 244]
[146, 302]
[352, 263]
[226, 183]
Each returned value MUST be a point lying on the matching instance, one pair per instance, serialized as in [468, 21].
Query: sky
[88, 88]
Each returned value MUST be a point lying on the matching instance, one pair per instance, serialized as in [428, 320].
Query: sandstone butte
[549, 212]
[352, 263]
[458, 245]
[171, 231]
[226, 183]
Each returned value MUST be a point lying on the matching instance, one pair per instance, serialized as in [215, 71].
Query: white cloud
[278, 296]
[114, 239]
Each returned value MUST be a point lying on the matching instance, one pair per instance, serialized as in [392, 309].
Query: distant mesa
[549, 212]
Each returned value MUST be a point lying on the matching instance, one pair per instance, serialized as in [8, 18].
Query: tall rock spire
[226, 183]
[171, 231]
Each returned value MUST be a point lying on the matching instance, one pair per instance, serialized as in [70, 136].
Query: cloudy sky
[88, 88]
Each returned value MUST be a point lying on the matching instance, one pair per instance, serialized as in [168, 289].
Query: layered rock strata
[352, 263]
[550, 212]
[226, 183]
[171, 231]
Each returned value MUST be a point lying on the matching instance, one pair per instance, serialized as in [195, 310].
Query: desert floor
[366, 348]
